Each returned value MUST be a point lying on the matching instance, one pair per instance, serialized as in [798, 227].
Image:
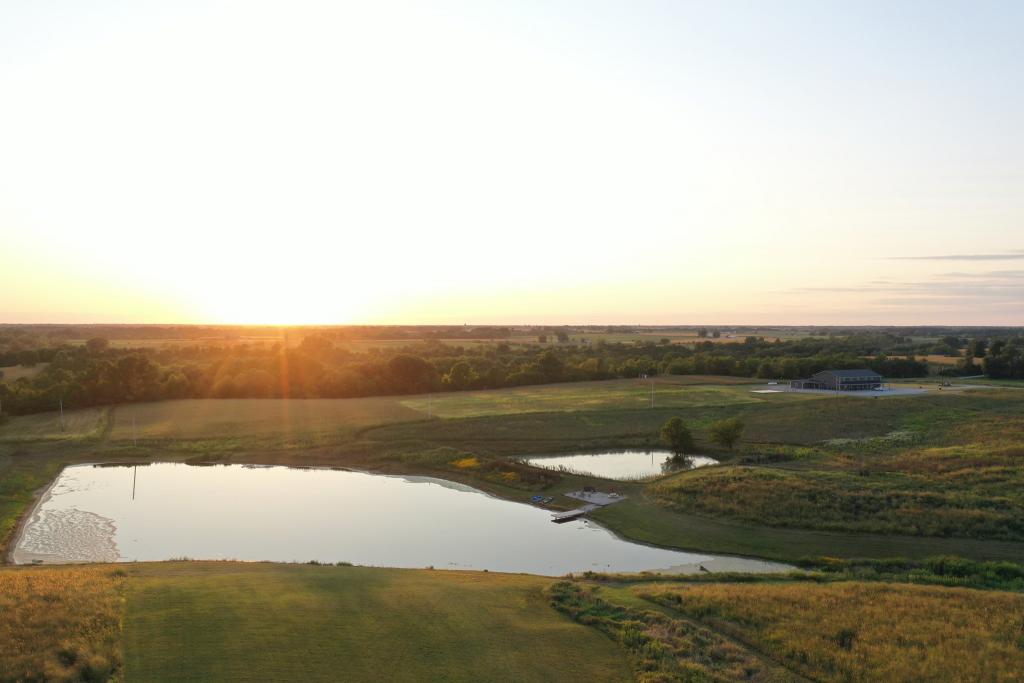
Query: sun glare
[279, 307]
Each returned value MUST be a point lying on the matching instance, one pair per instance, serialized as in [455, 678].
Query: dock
[560, 517]
[593, 500]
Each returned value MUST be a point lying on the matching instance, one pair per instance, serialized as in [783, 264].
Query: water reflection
[287, 514]
[622, 465]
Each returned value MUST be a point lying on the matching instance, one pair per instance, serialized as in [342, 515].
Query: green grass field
[228, 621]
[238, 622]
[582, 396]
[77, 424]
[200, 419]
[246, 622]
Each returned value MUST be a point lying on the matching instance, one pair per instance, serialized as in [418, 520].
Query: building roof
[864, 372]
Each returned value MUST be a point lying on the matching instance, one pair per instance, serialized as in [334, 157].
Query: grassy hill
[864, 632]
[232, 621]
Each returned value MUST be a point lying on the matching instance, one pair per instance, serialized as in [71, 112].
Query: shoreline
[692, 564]
[39, 496]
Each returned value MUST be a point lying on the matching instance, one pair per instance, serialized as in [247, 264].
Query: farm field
[221, 418]
[975, 382]
[13, 373]
[77, 424]
[199, 418]
[580, 396]
[685, 337]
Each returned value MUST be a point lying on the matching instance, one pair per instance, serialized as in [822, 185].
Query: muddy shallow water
[288, 514]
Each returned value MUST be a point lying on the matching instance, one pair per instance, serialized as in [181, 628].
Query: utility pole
[652, 393]
[62, 415]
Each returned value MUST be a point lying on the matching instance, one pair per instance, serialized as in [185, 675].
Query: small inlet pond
[622, 465]
[285, 514]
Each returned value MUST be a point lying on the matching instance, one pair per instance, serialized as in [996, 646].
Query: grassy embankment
[229, 621]
[937, 473]
[949, 466]
[864, 632]
[798, 630]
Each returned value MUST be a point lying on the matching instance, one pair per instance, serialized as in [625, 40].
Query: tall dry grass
[60, 624]
[867, 632]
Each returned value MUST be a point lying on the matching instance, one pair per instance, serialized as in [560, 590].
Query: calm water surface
[285, 514]
[623, 465]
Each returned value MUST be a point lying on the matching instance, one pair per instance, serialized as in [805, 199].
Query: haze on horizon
[487, 162]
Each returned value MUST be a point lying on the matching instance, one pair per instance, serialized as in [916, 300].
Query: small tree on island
[677, 437]
[727, 432]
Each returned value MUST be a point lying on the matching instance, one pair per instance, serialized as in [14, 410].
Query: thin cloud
[1011, 255]
[1007, 274]
[836, 289]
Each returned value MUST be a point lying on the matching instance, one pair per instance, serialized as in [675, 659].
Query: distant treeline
[910, 338]
[1000, 358]
[95, 373]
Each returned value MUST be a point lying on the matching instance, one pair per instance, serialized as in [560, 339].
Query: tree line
[95, 373]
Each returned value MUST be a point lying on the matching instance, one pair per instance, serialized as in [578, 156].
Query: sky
[485, 162]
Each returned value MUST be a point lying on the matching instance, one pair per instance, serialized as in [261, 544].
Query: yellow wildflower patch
[469, 463]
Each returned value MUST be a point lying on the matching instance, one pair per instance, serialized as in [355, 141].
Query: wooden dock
[593, 500]
[560, 517]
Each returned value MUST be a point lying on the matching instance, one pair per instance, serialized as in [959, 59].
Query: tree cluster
[323, 365]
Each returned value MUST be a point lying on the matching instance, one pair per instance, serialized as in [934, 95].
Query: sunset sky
[510, 162]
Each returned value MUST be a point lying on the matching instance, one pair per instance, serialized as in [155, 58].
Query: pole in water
[430, 406]
[134, 441]
[135, 471]
[62, 415]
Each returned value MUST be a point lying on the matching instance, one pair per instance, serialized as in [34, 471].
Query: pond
[622, 465]
[285, 514]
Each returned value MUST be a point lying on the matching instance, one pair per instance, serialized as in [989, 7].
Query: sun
[282, 305]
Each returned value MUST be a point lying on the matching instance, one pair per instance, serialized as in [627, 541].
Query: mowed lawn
[622, 394]
[245, 622]
[226, 418]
